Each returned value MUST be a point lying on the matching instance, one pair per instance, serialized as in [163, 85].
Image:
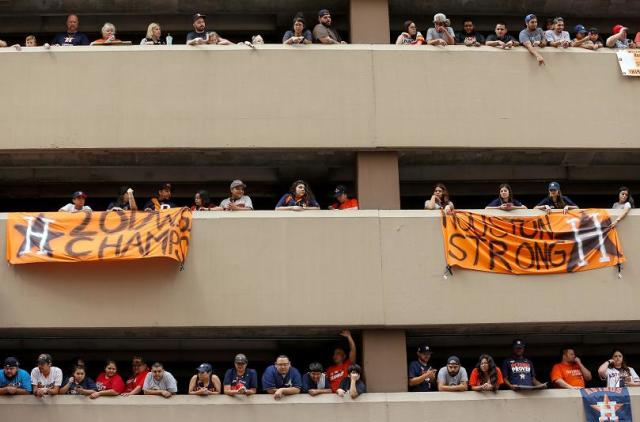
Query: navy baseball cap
[580, 29]
[340, 189]
[204, 367]
[11, 362]
[593, 30]
[518, 344]
[323, 12]
[78, 194]
[554, 186]
[453, 360]
[529, 17]
[197, 16]
[423, 348]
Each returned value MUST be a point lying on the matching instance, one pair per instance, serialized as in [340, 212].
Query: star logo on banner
[607, 409]
[36, 234]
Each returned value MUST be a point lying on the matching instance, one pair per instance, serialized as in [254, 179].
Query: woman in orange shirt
[486, 376]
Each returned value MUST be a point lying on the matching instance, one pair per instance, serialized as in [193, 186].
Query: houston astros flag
[606, 404]
[545, 244]
[98, 236]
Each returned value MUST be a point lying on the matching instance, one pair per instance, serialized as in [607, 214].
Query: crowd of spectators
[532, 37]
[343, 377]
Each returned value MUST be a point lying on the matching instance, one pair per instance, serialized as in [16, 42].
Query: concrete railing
[507, 406]
[350, 97]
[267, 268]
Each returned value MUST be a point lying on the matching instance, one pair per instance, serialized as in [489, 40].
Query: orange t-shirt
[337, 373]
[568, 373]
[475, 380]
[349, 203]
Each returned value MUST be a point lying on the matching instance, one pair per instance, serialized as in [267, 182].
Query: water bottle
[169, 39]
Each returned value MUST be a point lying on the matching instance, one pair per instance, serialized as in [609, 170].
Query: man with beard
[323, 33]
[518, 371]
[200, 35]
[162, 201]
[422, 376]
[570, 373]
[532, 37]
[72, 36]
[452, 377]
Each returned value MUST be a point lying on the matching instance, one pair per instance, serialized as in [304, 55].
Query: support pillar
[385, 360]
[369, 21]
[378, 180]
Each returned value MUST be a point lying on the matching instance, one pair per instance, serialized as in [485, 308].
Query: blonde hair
[31, 38]
[108, 25]
[150, 29]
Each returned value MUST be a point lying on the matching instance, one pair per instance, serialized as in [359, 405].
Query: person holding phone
[422, 376]
[505, 200]
[616, 373]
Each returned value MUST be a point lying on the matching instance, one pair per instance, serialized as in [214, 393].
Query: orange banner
[98, 236]
[552, 243]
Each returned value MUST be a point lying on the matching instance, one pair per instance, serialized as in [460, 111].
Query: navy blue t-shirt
[309, 384]
[345, 384]
[272, 379]
[87, 384]
[416, 368]
[249, 379]
[549, 201]
[518, 371]
[497, 202]
[64, 38]
[193, 35]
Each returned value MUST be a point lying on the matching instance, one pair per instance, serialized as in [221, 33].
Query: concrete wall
[371, 268]
[507, 406]
[354, 97]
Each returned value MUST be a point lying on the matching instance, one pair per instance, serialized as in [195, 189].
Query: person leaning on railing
[501, 38]
[353, 384]
[570, 373]
[108, 35]
[558, 37]
[410, 35]
[13, 380]
[240, 380]
[154, 35]
[316, 381]
[205, 382]
[556, 200]
[619, 38]
[299, 198]
[452, 377]
[79, 383]
[109, 382]
[441, 34]
[71, 37]
[518, 371]
[616, 373]
[323, 32]
[439, 200]
[237, 200]
[625, 202]
[486, 376]
[469, 36]
[202, 202]
[159, 382]
[281, 379]
[533, 37]
[505, 200]
[298, 34]
[46, 379]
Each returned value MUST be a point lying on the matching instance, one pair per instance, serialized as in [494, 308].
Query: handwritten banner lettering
[98, 236]
[546, 244]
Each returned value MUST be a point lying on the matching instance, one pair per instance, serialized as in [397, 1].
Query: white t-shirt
[53, 380]
[618, 205]
[613, 377]
[552, 35]
[72, 208]
[243, 201]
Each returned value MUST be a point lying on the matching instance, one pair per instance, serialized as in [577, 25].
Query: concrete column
[384, 360]
[378, 180]
[369, 21]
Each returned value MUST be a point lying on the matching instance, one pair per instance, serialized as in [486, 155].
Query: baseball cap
[44, 358]
[340, 189]
[165, 185]
[204, 367]
[616, 29]
[237, 183]
[517, 344]
[78, 194]
[554, 186]
[197, 16]
[323, 12]
[11, 363]
[240, 358]
[529, 17]
[558, 19]
[315, 367]
[453, 360]
[423, 348]
[593, 30]
[580, 29]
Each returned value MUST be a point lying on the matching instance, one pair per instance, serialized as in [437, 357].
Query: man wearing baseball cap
[323, 32]
[558, 37]
[619, 38]
[533, 37]
[162, 201]
[316, 381]
[581, 36]
[13, 380]
[238, 201]
[452, 377]
[422, 376]
[240, 380]
[45, 378]
[199, 34]
[343, 202]
[77, 203]
[518, 371]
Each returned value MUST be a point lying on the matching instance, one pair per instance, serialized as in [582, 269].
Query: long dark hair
[624, 367]
[308, 197]
[493, 373]
[120, 202]
[406, 26]
[510, 198]
[445, 194]
[560, 202]
[205, 199]
[629, 197]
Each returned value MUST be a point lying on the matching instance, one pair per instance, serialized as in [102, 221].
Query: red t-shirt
[337, 373]
[136, 381]
[349, 203]
[475, 380]
[114, 383]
